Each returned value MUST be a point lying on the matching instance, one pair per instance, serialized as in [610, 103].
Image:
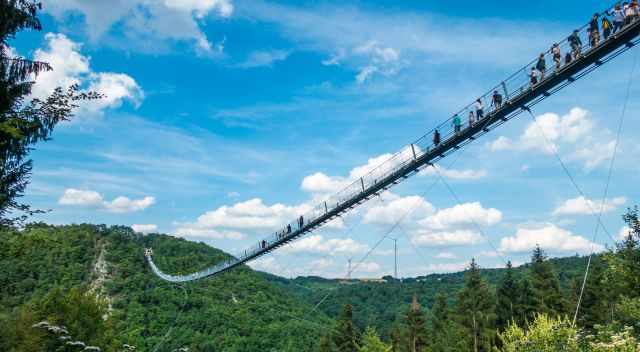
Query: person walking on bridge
[541, 66]
[533, 77]
[568, 58]
[436, 138]
[557, 55]
[457, 124]
[472, 118]
[594, 31]
[479, 109]
[630, 12]
[576, 44]
[607, 27]
[496, 100]
[618, 18]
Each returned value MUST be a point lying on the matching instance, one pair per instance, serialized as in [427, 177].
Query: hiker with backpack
[607, 27]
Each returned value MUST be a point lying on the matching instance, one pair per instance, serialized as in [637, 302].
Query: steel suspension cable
[394, 226]
[479, 228]
[606, 188]
[566, 170]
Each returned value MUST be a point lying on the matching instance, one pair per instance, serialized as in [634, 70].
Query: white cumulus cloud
[248, 215]
[550, 238]
[584, 206]
[92, 199]
[207, 233]
[501, 143]
[264, 58]
[463, 175]
[574, 134]
[390, 212]
[446, 255]
[147, 25]
[125, 205]
[450, 238]
[71, 67]
[462, 215]
[81, 198]
[318, 244]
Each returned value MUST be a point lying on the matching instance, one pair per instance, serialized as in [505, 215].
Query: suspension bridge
[519, 95]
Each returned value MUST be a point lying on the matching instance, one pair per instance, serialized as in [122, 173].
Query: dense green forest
[94, 281]
[238, 311]
[378, 304]
[531, 308]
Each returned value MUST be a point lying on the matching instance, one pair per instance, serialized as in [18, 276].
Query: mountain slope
[236, 311]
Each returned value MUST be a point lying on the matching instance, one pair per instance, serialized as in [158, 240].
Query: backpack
[606, 24]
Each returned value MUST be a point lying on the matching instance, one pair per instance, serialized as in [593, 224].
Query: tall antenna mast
[395, 252]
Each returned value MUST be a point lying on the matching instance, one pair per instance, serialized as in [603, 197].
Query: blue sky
[224, 119]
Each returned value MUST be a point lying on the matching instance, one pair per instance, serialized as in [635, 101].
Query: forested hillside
[238, 311]
[379, 305]
[94, 281]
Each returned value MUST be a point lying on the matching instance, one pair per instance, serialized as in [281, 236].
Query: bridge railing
[512, 88]
[515, 91]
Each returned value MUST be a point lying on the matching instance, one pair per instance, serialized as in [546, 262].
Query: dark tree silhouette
[546, 287]
[507, 298]
[22, 123]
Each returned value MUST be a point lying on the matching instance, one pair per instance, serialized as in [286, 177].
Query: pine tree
[595, 301]
[546, 287]
[447, 335]
[346, 334]
[475, 309]
[440, 313]
[396, 337]
[628, 253]
[24, 124]
[507, 298]
[526, 303]
[371, 342]
[416, 330]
